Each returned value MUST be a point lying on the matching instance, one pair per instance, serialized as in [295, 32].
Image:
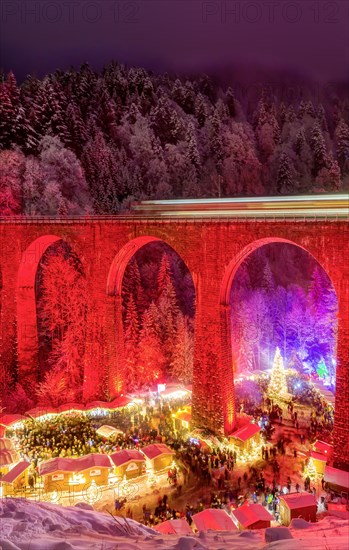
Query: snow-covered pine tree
[277, 388]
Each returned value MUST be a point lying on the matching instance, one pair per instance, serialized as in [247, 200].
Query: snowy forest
[282, 298]
[80, 142]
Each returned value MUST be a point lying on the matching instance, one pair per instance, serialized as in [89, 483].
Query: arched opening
[156, 295]
[282, 307]
[51, 304]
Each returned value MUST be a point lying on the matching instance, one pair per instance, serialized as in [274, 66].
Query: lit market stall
[62, 474]
[213, 519]
[174, 527]
[297, 505]
[246, 437]
[109, 432]
[128, 463]
[337, 480]
[158, 456]
[252, 516]
[15, 481]
[8, 455]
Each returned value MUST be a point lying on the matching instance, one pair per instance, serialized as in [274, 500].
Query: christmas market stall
[158, 456]
[297, 505]
[16, 480]
[8, 455]
[252, 516]
[129, 463]
[109, 432]
[214, 519]
[337, 480]
[246, 437]
[75, 473]
[182, 419]
[323, 448]
[174, 527]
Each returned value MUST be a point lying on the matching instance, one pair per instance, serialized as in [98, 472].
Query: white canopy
[108, 431]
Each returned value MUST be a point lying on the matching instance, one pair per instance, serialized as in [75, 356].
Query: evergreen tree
[342, 146]
[183, 352]
[193, 153]
[230, 102]
[319, 149]
[277, 388]
[151, 357]
[285, 184]
[201, 110]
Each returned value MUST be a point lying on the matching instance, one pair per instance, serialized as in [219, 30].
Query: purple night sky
[306, 37]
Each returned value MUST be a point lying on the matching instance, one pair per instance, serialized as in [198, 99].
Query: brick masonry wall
[210, 249]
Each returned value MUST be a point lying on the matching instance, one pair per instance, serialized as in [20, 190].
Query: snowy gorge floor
[26, 525]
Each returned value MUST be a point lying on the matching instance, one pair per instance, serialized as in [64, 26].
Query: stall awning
[318, 456]
[336, 477]
[108, 431]
[322, 447]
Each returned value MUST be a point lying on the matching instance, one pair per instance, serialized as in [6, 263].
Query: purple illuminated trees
[293, 308]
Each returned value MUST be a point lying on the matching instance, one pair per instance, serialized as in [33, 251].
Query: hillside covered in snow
[26, 525]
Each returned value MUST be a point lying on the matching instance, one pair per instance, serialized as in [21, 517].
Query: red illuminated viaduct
[212, 250]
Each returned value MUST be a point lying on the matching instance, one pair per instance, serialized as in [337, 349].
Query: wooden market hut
[75, 474]
[337, 480]
[297, 505]
[182, 419]
[252, 516]
[245, 436]
[323, 448]
[214, 519]
[8, 455]
[16, 480]
[129, 463]
[178, 526]
[158, 456]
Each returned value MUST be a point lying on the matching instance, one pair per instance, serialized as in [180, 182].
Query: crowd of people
[216, 469]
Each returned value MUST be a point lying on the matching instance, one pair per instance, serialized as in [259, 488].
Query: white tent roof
[108, 431]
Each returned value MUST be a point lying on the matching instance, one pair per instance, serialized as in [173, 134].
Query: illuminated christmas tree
[311, 470]
[277, 386]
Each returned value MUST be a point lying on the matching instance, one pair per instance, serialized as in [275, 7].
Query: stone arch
[121, 260]
[236, 262]
[27, 328]
[225, 291]
[114, 297]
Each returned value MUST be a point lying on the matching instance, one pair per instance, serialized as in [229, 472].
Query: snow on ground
[27, 525]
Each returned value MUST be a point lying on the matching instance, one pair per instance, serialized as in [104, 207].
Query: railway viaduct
[213, 250]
